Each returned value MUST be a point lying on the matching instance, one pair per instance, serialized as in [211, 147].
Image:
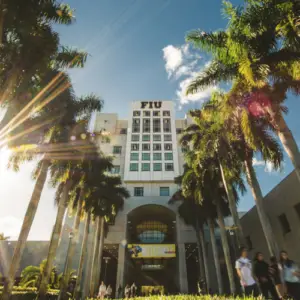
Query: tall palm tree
[59, 149]
[259, 52]
[3, 237]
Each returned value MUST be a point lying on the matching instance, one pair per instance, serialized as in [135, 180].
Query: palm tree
[261, 43]
[57, 150]
[3, 237]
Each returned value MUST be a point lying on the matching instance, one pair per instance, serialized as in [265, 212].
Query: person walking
[133, 290]
[244, 270]
[261, 272]
[291, 276]
[108, 292]
[276, 275]
[102, 291]
[127, 291]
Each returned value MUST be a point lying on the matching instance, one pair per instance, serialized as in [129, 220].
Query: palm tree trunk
[264, 220]
[233, 209]
[1, 21]
[26, 226]
[215, 254]
[54, 240]
[287, 139]
[95, 258]
[101, 246]
[225, 247]
[74, 241]
[205, 258]
[82, 257]
[200, 257]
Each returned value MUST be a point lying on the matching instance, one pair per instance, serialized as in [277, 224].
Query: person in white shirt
[102, 290]
[244, 270]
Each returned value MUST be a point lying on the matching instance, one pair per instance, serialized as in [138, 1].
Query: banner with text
[152, 250]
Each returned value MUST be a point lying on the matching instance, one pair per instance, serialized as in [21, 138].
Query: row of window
[163, 191]
[156, 126]
[134, 167]
[147, 156]
[147, 137]
[155, 113]
[155, 147]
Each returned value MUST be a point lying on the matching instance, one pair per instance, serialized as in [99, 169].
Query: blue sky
[137, 52]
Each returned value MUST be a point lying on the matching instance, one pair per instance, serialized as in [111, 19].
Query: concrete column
[121, 268]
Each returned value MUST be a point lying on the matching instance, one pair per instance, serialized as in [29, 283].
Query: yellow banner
[151, 250]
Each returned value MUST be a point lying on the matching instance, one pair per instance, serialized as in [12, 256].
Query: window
[146, 113]
[135, 138]
[167, 125]
[156, 156]
[156, 138]
[164, 191]
[156, 113]
[115, 170]
[145, 167]
[123, 131]
[136, 125]
[157, 167]
[135, 147]
[138, 191]
[166, 113]
[117, 149]
[156, 147]
[169, 156]
[146, 138]
[134, 167]
[179, 130]
[146, 147]
[249, 242]
[146, 125]
[134, 156]
[184, 149]
[168, 147]
[136, 113]
[167, 137]
[156, 125]
[284, 223]
[297, 209]
[145, 156]
[169, 167]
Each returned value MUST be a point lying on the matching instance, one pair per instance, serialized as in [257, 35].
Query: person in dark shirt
[261, 272]
[276, 275]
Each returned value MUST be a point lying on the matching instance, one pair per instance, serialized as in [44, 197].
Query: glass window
[146, 138]
[145, 167]
[156, 113]
[156, 125]
[169, 156]
[146, 125]
[184, 149]
[249, 242]
[115, 170]
[146, 147]
[164, 191]
[297, 209]
[284, 223]
[167, 137]
[117, 149]
[135, 138]
[167, 125]
[134, 167]
[145, 156]
[135, 147]
[146, 113]
[169, 167]
[157, 167]
[156, 147]
[123, 131]
[138, 191]
[156, 156]
[136, 125]
[168, 147]
[156, 138]
[134, 156]
[179, 130]
[136, 113]
[166, 113]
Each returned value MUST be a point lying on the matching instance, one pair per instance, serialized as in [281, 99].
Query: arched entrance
[151, 251]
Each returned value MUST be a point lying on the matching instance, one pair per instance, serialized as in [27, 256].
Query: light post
[62, 287]
[106, 259]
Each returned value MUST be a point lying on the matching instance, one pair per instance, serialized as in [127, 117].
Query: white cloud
[10, 226]
[269, 167]
[173, 57]
[257, 162]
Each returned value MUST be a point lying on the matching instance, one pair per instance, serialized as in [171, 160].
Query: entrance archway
[151, 251]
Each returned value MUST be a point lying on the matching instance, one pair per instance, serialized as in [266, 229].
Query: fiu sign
[154, 104]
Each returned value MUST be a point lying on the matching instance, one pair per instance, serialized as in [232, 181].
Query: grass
[190, 297]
